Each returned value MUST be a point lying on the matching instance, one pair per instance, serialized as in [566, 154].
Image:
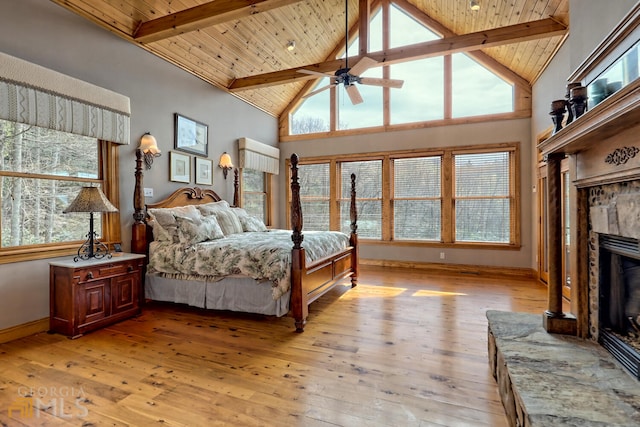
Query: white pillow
[251, 223]
[210, 208]
[198, 230]
[164, 221]
[229, 222]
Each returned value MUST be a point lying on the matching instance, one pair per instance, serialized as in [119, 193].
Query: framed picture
[204, 171]
[179, 167]
[191, 136]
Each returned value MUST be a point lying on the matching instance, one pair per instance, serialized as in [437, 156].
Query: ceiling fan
[350, 76]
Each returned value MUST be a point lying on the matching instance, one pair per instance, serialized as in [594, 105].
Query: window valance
[258, 156]
[35, 95]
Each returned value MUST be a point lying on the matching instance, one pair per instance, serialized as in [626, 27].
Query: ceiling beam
[201, 16]
[533, 30]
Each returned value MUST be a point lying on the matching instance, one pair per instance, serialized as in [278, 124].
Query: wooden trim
[24, 330]
[462, 269]
[202, 16]
[527, 31]
[408, 126]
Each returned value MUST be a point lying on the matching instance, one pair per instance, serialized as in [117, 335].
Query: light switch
[148, 192]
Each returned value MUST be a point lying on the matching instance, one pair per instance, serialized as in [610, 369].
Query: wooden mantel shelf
[618, 112]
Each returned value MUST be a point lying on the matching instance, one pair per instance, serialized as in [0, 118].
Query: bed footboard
[308, 283]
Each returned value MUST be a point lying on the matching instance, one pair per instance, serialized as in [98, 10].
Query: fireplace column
[554, 319]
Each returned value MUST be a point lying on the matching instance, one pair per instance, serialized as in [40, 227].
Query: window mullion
[334, 197]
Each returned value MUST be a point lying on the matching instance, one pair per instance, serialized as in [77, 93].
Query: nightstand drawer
[107, 270]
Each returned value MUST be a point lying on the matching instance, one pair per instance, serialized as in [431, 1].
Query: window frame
[108, 179]
[521, 89]
[447, 193]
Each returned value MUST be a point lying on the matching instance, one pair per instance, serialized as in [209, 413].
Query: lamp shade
[225, 161]
[148, 144]
[91, 199]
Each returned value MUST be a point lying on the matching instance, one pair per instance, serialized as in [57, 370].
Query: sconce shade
[149, 147]
[91, 199]
[225, 163]
[148, 144]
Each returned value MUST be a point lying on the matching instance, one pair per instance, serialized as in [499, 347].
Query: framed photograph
[179, 167]
[191, 136]
[204, 171]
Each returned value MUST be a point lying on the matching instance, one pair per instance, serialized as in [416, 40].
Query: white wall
[46, 34]
[469, 134]
[591, 21]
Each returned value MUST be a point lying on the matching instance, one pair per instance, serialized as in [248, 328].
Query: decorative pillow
[164, 218]
[198, 230]
[251, 223]
[239, 212]
[210, 208]
[229, 222]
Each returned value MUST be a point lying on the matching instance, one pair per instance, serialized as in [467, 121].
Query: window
[454, 196]
[441, 88]
[255, 194]
[417, 198]
[368, 197]
[314, 195]
[41, 172]
[482, 197]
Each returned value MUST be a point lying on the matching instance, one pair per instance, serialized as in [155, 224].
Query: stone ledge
[557, 380]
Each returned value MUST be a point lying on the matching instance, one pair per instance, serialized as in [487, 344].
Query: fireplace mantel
[619, 112]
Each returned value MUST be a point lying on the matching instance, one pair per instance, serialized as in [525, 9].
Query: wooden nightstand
[90, 294]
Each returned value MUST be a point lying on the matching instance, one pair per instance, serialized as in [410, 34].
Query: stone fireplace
[602, 148]
[614, 269]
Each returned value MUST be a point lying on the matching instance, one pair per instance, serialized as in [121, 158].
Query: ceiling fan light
[474, 5]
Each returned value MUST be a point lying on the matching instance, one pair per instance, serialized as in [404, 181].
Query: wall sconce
[474, 5]
[225, 163]
[91, 199]
[149, 147]
[291, 44]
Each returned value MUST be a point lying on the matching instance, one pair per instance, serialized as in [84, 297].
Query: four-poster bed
[197, 273]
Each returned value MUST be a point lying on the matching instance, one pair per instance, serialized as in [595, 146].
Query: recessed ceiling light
[474, 5]
[291, 45]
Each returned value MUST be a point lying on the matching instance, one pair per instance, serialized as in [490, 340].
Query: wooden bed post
[299, 305]
[139, 228]
[236, 188]
[353, 240]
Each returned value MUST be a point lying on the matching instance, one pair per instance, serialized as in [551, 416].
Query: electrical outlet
[441, 255]
[148, 192]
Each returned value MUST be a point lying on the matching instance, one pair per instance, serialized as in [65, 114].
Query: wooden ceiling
[240, 45]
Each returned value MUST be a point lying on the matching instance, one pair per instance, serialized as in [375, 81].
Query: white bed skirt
[234, 293]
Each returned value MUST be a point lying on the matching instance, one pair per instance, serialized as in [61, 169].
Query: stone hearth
[557, 380]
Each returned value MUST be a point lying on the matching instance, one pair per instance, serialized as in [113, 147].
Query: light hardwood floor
[404, 348]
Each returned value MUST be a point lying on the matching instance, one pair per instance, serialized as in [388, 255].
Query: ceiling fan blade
[354, 94]
[363, 65]
[373, 81]
[323, 88]
[315, 73]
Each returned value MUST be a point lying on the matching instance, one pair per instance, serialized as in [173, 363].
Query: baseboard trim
[476, 270]
[24, 330]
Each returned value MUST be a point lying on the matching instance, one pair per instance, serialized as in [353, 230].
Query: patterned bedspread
[259, 255]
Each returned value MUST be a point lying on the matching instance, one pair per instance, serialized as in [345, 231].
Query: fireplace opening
[619, 304]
